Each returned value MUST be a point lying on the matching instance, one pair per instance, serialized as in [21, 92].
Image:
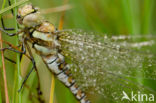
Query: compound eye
[18, 16]
[35, 9]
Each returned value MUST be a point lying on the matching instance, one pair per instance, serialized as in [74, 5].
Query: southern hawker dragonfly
[106, 67]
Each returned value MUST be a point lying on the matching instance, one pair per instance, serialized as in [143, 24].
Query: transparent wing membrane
[109, 65]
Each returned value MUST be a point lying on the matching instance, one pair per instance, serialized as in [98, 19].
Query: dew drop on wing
[106, 66]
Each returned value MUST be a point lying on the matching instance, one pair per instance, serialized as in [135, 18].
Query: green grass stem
[13, 6]
[147, 13]
[0, 96]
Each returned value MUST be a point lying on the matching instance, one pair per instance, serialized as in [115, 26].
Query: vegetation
[112, 17]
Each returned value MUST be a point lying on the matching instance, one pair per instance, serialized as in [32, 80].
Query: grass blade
[17, 74]
[3, 64]
[148, 9]
[13, 6]
[4, 73]
[0, 96]
[52, 89]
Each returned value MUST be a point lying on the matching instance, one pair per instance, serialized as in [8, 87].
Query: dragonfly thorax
[40, 33]
[44, 39]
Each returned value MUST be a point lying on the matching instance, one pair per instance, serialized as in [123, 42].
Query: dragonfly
[103, 62]
[44, 39]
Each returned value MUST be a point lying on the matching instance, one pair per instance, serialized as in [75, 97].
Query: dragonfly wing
[103, 66]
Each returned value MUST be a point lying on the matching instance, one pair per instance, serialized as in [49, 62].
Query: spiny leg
[34, 67]
[21, 52]
[10, 34]
[33, 62]
[14, 49]
[11, 49]
[2, 20]
[9, 29]
[12, 61]
[30, 53]
[10, 5]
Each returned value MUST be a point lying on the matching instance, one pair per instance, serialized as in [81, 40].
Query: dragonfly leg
[12, 49]
[12, 61]
[33, 61]
[2, 20]
[9, 34]
[3, 25]
[33, 67]
[10, 5]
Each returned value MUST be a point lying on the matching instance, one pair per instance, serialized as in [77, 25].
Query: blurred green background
[108, 16]
[112, 17]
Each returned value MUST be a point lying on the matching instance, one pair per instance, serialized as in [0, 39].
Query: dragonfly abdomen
[58, 66]
[46, 44]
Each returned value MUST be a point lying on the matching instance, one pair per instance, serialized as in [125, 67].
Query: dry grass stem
[4, 72]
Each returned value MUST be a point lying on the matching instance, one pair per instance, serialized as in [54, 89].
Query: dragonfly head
[28, 16]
